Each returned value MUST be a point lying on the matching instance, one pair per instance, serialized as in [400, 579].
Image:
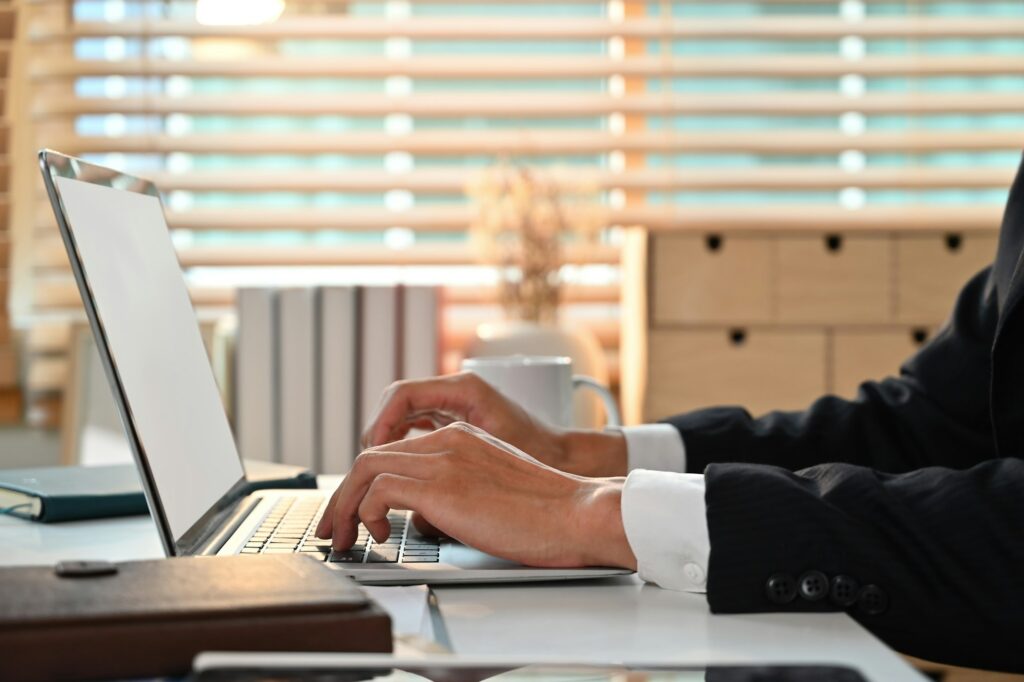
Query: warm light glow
[233, 13]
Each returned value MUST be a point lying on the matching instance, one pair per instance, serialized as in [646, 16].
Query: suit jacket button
[814, 586]
[780, 588]
[844, 591]
[872, 600]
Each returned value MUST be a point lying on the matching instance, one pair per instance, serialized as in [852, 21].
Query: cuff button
[813, 586]
[844, 591]
[872, 600]
[694, 573]
[780, 588]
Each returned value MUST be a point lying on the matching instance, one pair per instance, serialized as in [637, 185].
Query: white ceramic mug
[542, 384]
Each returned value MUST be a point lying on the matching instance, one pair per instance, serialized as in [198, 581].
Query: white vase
[531, 338]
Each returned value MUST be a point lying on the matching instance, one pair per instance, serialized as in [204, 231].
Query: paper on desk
[407, 606]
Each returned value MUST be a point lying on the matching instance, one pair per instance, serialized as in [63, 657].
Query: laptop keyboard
[291, 524]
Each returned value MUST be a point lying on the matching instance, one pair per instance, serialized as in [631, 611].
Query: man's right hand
[430, 404]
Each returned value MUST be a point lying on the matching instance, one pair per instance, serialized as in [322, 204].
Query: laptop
[149, 343]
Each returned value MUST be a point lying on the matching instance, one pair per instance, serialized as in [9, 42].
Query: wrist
[595, 454]
[602, 531]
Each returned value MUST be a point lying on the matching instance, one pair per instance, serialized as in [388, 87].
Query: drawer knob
[919, 336]
[713, 242]
[954, 242]
[833, 242]
[737, 336]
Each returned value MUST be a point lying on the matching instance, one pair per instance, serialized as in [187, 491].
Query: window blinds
[341, 134]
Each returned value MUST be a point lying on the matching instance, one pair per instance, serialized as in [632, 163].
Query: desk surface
[608, 620]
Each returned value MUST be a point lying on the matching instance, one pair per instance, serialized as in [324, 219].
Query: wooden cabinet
[931, 269]
[858, 355]
[830, 279]
[761, 369]
[712, 279]
[774, 320]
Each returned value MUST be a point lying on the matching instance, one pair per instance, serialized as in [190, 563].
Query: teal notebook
[53, 494]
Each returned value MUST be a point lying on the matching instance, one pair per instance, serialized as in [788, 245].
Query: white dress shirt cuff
[654, 446]
[666, 524]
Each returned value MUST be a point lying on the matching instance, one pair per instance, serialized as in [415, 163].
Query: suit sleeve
[935, 413]
[933, 560]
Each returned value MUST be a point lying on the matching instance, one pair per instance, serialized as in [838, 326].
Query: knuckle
[395, 386]
[361, 461]
[458, 431]
[384, 482]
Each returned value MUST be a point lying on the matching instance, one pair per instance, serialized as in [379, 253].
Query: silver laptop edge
[225, 526]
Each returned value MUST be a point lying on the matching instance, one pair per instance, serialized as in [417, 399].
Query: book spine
[420, 332]
[80, 507]
[298, 378]
[379, 357]
[339, 380]
[256, 375]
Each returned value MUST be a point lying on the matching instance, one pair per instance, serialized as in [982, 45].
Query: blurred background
[701, 202]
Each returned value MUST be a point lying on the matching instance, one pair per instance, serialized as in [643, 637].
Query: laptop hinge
[223, 531]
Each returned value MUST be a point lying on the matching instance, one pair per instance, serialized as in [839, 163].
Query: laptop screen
[153, 336]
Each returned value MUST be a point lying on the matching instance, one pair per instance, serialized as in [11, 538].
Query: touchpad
[465, 557]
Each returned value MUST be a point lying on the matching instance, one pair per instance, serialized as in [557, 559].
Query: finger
[424, 527]
[323, 528]
[425, 443]
[447, 395]
[431, 420]
[388, 492]
[369, 466]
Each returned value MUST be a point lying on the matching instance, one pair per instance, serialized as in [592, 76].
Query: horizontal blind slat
[520, 67]
[521, 141]
[682, 217]
[453, 181]
[575, 28]
[530, 105]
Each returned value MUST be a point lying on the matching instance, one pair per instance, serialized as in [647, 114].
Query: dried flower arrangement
[524, 216]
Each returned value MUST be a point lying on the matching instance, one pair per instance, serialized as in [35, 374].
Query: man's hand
[433, 403]
[470, 486]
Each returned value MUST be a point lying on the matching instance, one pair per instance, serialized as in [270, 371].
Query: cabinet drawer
[931, 269]
[835, 279]
[711, 279]
[861, 355]
[761, 369]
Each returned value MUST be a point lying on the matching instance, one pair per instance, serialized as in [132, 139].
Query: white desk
[609, 620]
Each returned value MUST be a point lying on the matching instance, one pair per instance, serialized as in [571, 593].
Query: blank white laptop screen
[143, 305]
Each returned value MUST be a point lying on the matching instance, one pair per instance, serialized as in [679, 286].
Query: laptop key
[347, 557]
[420, 560]
[318, 542]
[250, 550]
[279, 550]
[382, 556]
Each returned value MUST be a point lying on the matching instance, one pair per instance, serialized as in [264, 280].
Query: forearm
[595, 454]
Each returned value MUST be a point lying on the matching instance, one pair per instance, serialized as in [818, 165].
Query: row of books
[311, 365]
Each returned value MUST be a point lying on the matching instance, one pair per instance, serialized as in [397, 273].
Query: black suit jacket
[904, 506]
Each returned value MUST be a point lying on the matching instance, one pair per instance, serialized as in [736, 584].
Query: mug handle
[611, 408]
